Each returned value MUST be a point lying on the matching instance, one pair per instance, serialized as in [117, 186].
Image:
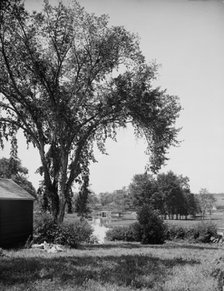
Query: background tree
[191, 204]
[206, 202]
[168, 193]
[61, 84]
[12, 169]
[81, 203]
[122, 200]
[142, 188]
[118, 200]
[106, 199]
[94, 202]
[174, 189]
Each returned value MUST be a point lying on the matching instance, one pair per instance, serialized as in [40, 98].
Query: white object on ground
[99, 231]
[50, 248]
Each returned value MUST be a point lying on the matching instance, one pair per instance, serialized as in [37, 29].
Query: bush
[70, 234]
[176, 232]
[133, 232]
[83, 230]
[153, 227]
[45, 229]
[150, 229]
[116, 233]
[65, 236]
[201, 232]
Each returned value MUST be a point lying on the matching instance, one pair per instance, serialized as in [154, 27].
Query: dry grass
[123, 266]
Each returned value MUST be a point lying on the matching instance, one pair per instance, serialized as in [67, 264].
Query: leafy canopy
[68, 80]
[167, 192]
[12, 169]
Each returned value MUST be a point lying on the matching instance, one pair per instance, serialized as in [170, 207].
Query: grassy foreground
[110, 267]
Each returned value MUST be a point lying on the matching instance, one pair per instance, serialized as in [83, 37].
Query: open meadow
[115, 266]
[173, 266]
[216, 218]
[118, 266]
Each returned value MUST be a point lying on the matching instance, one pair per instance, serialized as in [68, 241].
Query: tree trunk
[62, 198]
[62, 188]
[61, 212]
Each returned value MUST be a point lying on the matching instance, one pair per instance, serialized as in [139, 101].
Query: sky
[186, 37]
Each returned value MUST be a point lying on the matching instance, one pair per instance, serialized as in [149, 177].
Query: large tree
[68, 80]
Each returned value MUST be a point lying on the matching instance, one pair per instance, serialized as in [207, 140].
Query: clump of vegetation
[52, 76]
[153, 227]
[176, 232]
[117, 233]
[201, 232]
[12, 169]
[150, 229]
[130, 233]
[168, 193]
[204, 231]
[70, 234]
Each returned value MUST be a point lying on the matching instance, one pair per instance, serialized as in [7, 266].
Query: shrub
[70, 234]
[66, 236]
[116, 233]
[176, 232]
[150, 228]
[133, 232]
[83, 230]
[201, 232]
[153, 227]
[45, 229]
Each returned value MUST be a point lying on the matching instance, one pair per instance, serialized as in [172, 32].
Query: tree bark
[61, 212]
[62, 187]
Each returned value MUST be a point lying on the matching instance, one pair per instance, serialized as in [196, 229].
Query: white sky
[186, 38]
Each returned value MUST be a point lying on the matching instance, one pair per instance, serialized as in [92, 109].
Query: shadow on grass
[134, 271]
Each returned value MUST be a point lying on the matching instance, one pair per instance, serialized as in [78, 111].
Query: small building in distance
[16, 214]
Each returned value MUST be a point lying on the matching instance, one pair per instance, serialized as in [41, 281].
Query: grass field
[124, 266]
[173, 266]
[217, 218]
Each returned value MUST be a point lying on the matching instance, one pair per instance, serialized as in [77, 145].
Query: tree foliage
[206, 201]
[168, 193]
[68, 80]
[143, 189]
[12, 169]
[82, 199]
[153, 227]
[118, 200]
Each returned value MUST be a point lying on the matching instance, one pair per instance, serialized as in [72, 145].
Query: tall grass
[125, 266]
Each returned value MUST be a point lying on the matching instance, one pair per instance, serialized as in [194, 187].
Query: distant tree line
[168, 193]
[118, 200]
